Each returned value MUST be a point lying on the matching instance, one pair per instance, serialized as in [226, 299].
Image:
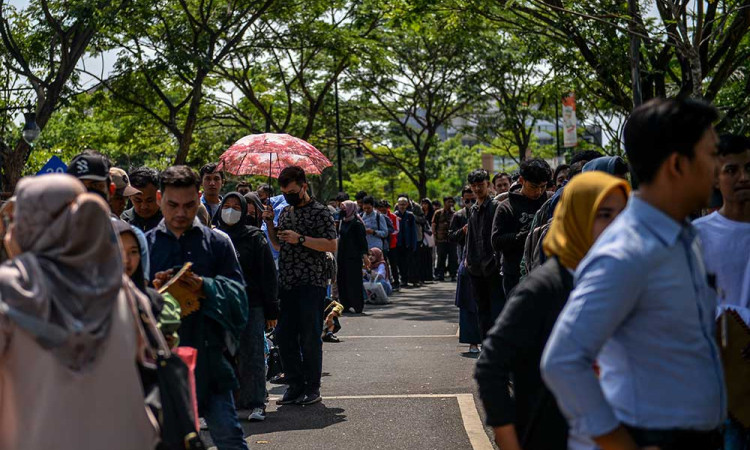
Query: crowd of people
[598, 314]
[593, 309]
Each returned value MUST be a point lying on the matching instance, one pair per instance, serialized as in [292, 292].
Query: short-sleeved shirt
[725, 251]
[300, 265]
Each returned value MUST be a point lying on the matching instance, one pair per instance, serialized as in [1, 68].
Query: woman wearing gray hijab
[68, 338]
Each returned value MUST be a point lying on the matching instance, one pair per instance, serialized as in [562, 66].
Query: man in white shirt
[725, 234]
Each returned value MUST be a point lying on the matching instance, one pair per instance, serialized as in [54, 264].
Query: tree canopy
[424, 87]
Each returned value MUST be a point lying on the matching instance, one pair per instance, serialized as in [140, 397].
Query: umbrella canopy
[269, 153]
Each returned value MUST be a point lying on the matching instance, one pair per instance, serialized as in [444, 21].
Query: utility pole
[557, 124]
[635, 54]
[338, 132]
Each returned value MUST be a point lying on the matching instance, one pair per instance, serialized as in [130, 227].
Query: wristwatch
[301, 240]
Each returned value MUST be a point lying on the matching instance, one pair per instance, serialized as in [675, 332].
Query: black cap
[89, 167]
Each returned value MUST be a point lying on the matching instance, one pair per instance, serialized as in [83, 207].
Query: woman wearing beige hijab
[68, 339]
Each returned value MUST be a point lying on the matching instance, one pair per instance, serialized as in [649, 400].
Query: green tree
[687, 49]
[518, 93]
[168, 51]
[287, 76]
[422, 75]
[43, 44]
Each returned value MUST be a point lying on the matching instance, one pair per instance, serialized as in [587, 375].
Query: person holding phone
[305, 233]
[215, 278]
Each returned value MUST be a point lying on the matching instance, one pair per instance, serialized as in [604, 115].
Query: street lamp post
[338, 133]
[359, 154]
[635, 55]
[30, 131]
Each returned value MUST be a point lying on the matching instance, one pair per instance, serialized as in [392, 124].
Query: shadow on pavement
[290, 418]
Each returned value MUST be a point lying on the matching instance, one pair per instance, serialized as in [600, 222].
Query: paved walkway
[398, 380]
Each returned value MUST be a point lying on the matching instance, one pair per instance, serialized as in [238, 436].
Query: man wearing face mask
[304, 234]
[259, 270]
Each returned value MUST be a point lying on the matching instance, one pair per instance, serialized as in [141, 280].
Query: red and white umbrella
[269, 153]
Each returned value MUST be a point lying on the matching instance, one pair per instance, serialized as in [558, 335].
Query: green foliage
[191, 77]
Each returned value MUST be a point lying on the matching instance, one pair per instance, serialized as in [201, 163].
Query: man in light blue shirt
[643, 307]
[376, 224]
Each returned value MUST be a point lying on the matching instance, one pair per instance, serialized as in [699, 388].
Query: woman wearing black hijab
[425, 253]
[259, 270]
[350, 258]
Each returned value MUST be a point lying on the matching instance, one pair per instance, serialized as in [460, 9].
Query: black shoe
[278, 379]
[310, 399]
[291, 396]
[330, 337]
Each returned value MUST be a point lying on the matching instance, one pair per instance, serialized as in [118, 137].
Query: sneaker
[310, 399]
[203, 424]
[258, 415]
[473, 349]
[291, 396]
[330, 337]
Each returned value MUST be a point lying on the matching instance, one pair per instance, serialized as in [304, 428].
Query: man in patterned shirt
[304, 234]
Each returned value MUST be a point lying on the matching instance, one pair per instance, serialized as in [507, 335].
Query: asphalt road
[398, 380]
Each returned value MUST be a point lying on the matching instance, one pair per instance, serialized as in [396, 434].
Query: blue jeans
[298, 333]
[386, 287]
[223, 423]
[251, 364]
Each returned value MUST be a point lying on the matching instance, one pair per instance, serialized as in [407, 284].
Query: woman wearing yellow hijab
[530, 419]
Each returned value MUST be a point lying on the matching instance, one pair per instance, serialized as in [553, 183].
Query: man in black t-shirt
[305, 233]
[513, 218]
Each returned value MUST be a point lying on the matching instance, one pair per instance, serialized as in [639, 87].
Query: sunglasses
[470, 201]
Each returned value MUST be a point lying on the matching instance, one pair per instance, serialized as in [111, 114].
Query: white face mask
[230, 216]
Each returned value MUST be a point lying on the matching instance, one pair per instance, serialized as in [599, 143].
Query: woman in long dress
[68, 339]
[351, 254]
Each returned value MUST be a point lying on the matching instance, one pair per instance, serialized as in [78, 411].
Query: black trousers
[298, 336]
[676, 439]
[488, 292]
[510, 281]
[424, 265]
[393, 263]
[404, 259]
[446, 252]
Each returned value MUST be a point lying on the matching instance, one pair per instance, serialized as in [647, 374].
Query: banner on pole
[570, 123]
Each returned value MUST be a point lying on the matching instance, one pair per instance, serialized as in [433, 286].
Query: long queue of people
[609, 319]
[594, 309]
[84, 280]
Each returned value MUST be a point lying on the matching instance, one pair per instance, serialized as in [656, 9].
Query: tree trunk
[14, 161]
[422, 187]
[191, 120]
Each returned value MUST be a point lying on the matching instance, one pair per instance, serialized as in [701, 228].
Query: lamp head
[31, 130]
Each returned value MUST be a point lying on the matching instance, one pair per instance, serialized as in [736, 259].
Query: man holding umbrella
[304, 234]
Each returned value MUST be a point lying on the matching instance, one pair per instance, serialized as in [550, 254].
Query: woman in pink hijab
[68, 339]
